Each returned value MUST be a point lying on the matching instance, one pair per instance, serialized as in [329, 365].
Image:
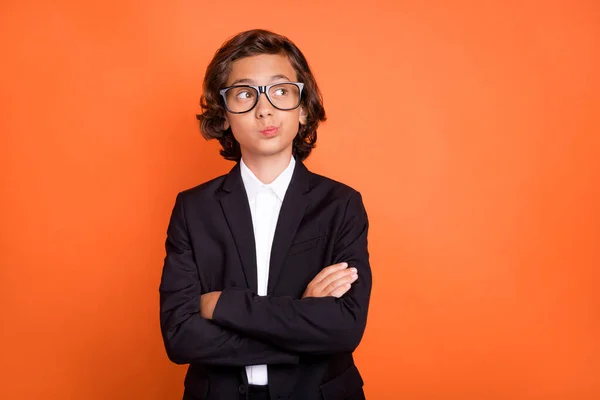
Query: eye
[244, 94]
[280, 91]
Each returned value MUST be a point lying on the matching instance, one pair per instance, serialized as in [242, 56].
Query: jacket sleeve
[188, 337]
[324, 325]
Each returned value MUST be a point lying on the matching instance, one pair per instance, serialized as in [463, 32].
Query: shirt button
[242, 389]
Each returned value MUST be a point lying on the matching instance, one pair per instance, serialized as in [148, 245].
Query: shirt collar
[279, 186]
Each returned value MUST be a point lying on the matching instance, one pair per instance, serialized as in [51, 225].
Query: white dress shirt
[265, 202]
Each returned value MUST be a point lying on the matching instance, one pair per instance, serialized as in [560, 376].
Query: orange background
[472, 130]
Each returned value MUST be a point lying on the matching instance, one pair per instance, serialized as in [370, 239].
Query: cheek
[292, 121]
[240, 125]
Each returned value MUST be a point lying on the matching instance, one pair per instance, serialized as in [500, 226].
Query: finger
[340, 290]
[345, 280]
[336, 275]
[330, 282]
[329, 270]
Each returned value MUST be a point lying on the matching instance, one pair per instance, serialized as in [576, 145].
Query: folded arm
[188, 337]
[324, 325]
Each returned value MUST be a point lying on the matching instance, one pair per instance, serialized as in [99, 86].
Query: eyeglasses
[240, 99]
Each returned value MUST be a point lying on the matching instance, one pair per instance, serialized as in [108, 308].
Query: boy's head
[260, 98]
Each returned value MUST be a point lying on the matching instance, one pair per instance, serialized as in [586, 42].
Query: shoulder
[333, 191]
[202, 191]
[321, 183]
[344, 201]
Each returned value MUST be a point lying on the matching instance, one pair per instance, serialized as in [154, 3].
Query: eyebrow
[247, 81]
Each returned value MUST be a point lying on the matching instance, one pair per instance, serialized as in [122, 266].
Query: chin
[267, 151]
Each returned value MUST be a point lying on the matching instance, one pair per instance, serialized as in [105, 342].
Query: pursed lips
[269, 130]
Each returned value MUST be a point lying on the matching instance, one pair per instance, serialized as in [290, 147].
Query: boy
[266, 282]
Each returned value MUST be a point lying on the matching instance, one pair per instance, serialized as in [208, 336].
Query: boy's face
[264, 131]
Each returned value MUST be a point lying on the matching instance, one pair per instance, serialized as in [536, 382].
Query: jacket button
[242, 389]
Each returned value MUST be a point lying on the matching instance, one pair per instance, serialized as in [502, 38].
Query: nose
[263, 107]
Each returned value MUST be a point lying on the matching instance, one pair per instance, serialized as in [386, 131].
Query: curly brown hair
[251, 43]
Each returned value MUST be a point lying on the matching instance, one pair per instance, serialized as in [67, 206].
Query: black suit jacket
[306, 343]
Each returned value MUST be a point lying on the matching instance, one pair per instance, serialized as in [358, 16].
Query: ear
[226, 124]
[303, 115]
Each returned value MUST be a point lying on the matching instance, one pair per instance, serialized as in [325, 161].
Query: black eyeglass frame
[260, 90]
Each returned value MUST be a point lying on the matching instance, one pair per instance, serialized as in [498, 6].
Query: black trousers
[256, 393]
[262, 393]
[250, 392]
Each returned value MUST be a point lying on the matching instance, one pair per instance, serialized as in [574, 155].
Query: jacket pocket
[343, 385]
[306, 245]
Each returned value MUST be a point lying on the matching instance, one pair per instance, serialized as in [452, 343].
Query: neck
[267, 169]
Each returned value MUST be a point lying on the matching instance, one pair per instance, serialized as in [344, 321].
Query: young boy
[266, 281]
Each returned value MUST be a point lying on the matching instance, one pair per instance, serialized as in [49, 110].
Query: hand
[208, 301]
[334, 280]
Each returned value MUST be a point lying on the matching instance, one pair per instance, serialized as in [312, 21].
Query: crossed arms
[236, 327]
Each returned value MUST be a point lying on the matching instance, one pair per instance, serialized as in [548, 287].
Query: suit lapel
[291, 214]
[237, 213]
